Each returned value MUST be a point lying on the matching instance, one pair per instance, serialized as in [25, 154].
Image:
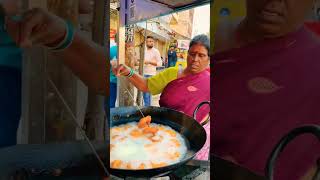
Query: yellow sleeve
[157, 83]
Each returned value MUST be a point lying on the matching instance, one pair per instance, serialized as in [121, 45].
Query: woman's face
[274, 18]
[198, 58]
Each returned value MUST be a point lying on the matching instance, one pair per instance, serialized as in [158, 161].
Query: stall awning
[177, 4]
[140, 10]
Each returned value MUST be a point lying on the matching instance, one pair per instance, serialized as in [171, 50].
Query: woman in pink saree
[181, 89]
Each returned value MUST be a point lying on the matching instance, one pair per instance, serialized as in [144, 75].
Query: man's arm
[157, 61]
[152, 62]
[158, 58]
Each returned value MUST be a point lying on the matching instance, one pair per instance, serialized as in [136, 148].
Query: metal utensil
[78, 125]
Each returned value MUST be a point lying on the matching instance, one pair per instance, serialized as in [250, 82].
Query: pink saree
[184, 94]
[261, 92]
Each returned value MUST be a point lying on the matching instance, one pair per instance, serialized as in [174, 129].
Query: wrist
[57, 41]
[60, 37]
[131, 73]
[126, 75]
[64, 41]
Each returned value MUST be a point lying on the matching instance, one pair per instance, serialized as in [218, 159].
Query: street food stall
[132, 12]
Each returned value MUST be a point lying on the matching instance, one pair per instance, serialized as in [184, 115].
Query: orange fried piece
[116, 129]
[145, 121]
[174, 156]
[122, 139]
[176, 142]
[152, 130]
[155, 138]
[111, 146]
[149, 135]
[151, 148]
[129, 166]
[136, 133]
[127, 126]
[114, 136]
[171, 133]
[142, 166]
[158, 165]
[177, 154]
[116, 164]
[148, 145]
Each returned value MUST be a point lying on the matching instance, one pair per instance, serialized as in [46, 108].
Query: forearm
[139, 82]
[154, 63]
[91, 66]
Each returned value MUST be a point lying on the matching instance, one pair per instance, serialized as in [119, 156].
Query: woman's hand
[137, 80]
[113, 63]
[36, 27]
[121, 70]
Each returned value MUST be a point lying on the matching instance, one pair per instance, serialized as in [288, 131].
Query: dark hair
[150, 37]
[201, 39]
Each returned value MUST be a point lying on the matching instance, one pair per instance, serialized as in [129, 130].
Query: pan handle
[197, 109]
[306, 129]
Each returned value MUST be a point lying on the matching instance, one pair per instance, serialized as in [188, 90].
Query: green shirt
[157, 83]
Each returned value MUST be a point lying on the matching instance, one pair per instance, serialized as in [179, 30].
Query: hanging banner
[132, 10]
[141, 10]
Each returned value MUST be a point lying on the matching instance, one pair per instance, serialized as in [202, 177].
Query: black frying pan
[193, 132]
[74, 160]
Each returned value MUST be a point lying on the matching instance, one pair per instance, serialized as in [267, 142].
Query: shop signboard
[129, 34]
[183, 44]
